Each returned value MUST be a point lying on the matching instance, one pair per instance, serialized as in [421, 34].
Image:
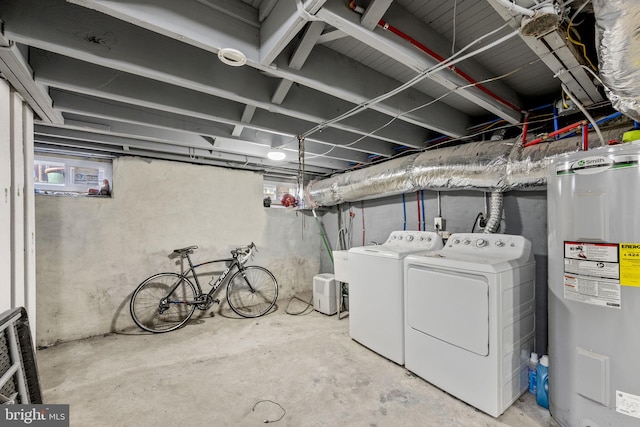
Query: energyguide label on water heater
[592, 273]
[630, 264]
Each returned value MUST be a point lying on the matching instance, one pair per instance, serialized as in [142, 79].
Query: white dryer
[376, 290]
[470, 318]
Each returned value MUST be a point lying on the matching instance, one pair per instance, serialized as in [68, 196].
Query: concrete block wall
[92, 252]
[524, 213]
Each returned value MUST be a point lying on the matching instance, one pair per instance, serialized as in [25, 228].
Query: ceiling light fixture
[543, 21]
[276, 155]
[232, 57]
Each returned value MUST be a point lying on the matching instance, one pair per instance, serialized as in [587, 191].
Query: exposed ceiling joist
[335, 14]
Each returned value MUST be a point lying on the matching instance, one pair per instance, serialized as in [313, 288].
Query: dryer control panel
[414, 239]
[504, 246]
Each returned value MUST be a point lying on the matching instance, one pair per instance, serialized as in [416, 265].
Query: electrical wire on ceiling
[447, 63]
[576, 42]
[397, 116]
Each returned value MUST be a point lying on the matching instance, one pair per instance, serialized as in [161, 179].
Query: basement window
[275, 191]
[72, 176]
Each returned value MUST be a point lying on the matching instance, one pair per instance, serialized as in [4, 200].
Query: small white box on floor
[324, 293]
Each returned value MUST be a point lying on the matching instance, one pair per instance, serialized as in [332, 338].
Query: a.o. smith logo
[590, 165]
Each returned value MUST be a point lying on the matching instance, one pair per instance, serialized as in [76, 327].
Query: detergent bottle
[542, 386]
[532, 367]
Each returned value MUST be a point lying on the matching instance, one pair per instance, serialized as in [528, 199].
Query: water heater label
[592, 273]
[597, 164]
[627, 404]
[630, 264]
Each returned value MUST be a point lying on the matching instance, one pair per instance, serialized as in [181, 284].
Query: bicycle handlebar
[244, 253]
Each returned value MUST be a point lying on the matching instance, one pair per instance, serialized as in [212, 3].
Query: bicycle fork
[244, 276]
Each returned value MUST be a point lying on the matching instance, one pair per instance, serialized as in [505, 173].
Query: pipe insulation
[618, 46]
[484, 166]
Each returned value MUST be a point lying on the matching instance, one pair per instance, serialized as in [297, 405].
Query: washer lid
[401, 243]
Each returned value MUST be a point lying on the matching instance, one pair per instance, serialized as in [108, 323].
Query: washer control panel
[487, 244]
[414, 239]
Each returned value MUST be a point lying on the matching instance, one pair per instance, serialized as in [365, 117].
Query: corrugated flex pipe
[495, 212]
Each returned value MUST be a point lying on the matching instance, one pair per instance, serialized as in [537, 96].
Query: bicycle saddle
[182, 251]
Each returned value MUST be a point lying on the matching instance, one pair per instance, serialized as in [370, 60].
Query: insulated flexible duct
[482, 166]
[618, 40]
[495, 212]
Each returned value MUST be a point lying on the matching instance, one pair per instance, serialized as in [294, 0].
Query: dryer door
[451, 306]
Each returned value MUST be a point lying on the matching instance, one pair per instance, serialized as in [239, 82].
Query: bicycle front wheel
[163, 302]
[252, 291]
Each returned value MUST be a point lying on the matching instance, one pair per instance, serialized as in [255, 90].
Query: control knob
[409, 238]
[481, 243]
[499, 243]
[466, 241]
[456, 241]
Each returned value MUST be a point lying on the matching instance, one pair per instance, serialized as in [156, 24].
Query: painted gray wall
[92, 252]
[525, 213]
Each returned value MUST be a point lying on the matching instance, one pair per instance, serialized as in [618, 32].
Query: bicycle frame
[234, 262]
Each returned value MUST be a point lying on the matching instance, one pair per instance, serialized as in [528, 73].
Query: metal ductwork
[486, 166]
[618, 41]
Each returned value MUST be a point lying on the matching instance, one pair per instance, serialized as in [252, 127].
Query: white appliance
[324, 293]
[470, 318]
[341, 266]
[594, 287]
[376, 290]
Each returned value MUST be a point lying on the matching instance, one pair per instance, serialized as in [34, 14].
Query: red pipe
[418, 200]
[554, 133]
[585, 137]
[525, 128]
[385, 25]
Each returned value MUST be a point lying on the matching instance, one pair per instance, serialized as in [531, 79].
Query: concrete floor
[225, 371]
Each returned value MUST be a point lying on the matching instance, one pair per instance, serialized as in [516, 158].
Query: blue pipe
[636, 125]
[423, 218]
[542, 107]
[555, 121]
[404, 208]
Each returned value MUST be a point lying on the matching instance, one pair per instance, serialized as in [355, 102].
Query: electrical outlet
[438, 223]
[482, 221]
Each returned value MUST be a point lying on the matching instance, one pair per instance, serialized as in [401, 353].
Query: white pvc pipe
[513, 6]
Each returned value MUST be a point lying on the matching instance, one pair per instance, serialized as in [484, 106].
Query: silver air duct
[482, 166]
[618, 41]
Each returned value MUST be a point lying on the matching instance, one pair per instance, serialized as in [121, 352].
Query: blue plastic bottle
[542, 392]
[533, 378]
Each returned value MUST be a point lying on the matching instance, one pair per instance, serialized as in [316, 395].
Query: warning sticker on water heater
[592, 273]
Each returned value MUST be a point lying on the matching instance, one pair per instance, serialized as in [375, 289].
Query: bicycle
[166, 301]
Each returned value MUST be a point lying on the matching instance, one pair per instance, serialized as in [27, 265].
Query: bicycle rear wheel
[252, 291]
[163, 302]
